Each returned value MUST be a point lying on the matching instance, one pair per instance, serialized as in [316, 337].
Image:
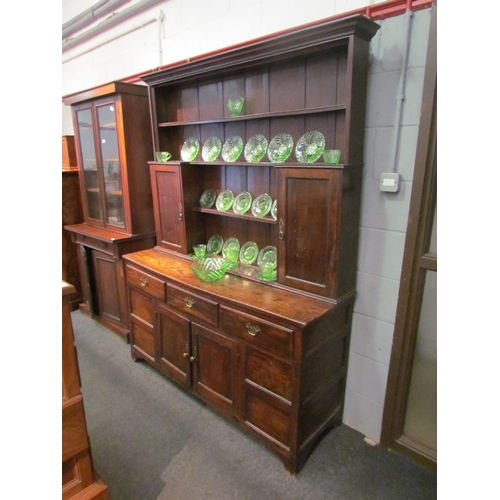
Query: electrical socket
[390, 182]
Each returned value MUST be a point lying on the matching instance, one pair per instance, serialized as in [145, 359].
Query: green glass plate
[249, 252]
[261, 205]
[231, 251]
[211, 149]
[190, 149]
[310, 147]
[242, 203]
[255, 148]
[268, 255]
[280, 148]
[232, 149]
[207, 199]
[214, 244]
[224, 201]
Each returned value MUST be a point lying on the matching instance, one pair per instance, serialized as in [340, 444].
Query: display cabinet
[277, 348]
[113, 143]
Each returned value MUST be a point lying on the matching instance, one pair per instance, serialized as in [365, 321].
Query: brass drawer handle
[144, 281]
[189, 302]
[252, 330]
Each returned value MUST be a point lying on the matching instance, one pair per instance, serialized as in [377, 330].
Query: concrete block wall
[193, 27]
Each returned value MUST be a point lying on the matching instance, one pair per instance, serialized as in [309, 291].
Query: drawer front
[103, 246]
[145, 282]
[273, 338]
[193, 304]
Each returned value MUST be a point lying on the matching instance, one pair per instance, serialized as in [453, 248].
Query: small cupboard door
[215, 368]
[308, 206]
[174, 350]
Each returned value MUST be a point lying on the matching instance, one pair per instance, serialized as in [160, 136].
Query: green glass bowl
[209, 268]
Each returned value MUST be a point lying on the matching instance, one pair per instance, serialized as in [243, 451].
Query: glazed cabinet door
[308, 229]
[174, 344]
[215, 368]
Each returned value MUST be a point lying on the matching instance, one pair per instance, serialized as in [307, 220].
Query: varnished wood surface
[281, 304]
[103, 234]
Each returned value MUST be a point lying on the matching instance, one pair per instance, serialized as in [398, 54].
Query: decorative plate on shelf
[214, 245]
[242, 203]
[268, 255]
[255, 148]
[261, 205]
[211, 149]
[208, 197]
[190, 149]
[231, 251]
[232, 148]
[310, 147]
[224, 201]
[280, 148]
[274, 209]
[249, 252]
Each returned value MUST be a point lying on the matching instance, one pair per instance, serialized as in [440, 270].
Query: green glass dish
[235, 105]
[207, 199]
[261, 205]
[255, 148]
[242, 203]
[214, 244]
[209, 268]
[211, 149]
[232, 149]
[231, 251]
[268, 256]
[190, 149]
[224, 201]
[274, 210]
[280, 148]
[310, 147]
[249, 252]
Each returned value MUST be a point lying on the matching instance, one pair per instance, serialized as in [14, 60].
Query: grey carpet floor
[151, 440]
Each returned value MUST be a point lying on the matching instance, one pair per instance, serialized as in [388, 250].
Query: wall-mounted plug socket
[390, 182]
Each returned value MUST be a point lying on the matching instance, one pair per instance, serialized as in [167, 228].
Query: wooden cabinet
[78, 477]
[113, 145]
[272, 355]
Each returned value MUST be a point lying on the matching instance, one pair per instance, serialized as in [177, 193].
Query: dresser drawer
[193, 304]
[95, 243]
[274, 338]
[145, 282]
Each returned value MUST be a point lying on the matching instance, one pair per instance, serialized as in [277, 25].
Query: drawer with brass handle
[195, 305]
[145, 282]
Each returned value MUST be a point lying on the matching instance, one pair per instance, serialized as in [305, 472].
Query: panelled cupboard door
[215, 368]
[174, 344]
[308, 207]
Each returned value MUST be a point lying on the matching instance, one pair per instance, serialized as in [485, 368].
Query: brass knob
[144, 281]
[189, 302]
[192, 358]
[185, 354]
[252, 330]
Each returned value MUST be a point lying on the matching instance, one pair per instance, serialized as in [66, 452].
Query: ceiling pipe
[90, 15]
[159, 17]
[111, 21]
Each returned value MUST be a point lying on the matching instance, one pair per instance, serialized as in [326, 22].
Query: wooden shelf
[213, 211]
[257, 116]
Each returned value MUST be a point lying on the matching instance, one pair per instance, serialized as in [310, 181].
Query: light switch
[389, 182]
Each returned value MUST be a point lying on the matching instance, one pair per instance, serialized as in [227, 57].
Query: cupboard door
[308, 229]
[168, 208]
[215, 368]
[174, 344]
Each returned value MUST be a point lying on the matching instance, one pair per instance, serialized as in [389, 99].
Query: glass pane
[111, 164]
[421, 414]
[90, 176]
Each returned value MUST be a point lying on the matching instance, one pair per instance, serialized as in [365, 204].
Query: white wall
[194, 27]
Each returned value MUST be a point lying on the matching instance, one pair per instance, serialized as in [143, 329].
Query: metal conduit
[110, 22]
[90, 15]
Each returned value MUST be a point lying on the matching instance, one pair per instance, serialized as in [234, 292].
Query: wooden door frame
[416, 262]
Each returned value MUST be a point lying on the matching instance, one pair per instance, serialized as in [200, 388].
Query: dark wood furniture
[272, 356]
[113, 144]
[71, 214]
[79, 480]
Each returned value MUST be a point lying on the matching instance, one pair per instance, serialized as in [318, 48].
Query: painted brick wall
[191, 28]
